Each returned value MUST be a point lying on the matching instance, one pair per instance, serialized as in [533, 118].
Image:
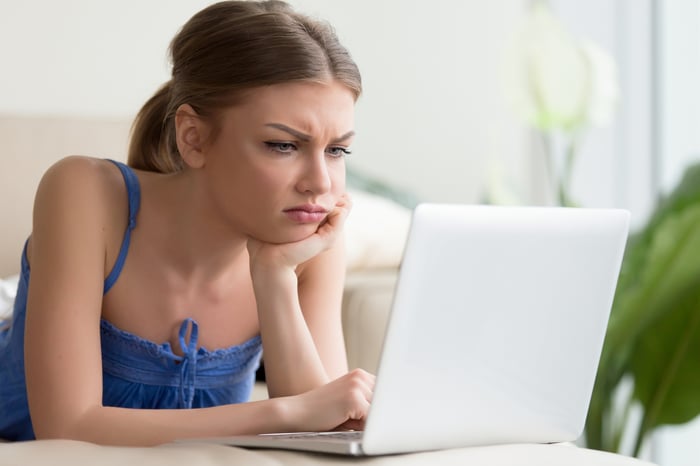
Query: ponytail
[225, 49]
[152, 146]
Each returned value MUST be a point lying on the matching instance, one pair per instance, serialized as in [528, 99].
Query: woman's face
[276, 166]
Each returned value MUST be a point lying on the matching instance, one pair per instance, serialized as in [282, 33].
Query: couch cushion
[8, 290]
[30, 146]
[375, 232]
[366, 305]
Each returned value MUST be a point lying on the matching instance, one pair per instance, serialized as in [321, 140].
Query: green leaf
[665, 361]
[670, 259]
[666, 365]
[654, 264]
[654, 299]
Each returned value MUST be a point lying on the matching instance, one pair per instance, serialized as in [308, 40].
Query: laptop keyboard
[340, 435]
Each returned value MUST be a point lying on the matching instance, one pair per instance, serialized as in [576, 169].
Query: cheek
[267, 181]
[259, 176]
[259, 192]
[337, 175]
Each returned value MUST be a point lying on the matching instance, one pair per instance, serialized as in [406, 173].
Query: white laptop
[495, 333]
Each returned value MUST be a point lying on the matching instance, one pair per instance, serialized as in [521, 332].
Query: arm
[299, 307]
[62, 343]
[321, 285]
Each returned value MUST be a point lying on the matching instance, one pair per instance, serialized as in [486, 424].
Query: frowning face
[276, 166]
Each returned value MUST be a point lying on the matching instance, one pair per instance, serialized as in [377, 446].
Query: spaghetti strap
[136, 373]
[133, 190]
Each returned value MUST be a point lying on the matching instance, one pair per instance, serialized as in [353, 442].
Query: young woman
[150, 289]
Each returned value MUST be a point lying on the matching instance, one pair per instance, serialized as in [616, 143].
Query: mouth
[307, 213]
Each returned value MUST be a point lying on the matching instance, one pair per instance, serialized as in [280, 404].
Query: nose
[315, 177]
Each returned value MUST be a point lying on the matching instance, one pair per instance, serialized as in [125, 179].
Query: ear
[191, 133]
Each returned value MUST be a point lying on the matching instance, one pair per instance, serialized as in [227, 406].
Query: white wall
[679, 89]
[615, 163]
[83, 57]
[430, 117]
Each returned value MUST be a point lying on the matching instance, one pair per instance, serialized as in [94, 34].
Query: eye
[281, 147]
[338, 151]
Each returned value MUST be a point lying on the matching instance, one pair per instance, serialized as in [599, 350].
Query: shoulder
[83, 181]
[79, 197]
[79, 172]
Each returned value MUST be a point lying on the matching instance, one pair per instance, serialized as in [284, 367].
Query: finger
[334, 221]
[345, 201]
[351, 424]
[368, 390]
[332, 226]
[342, 208]
[368, 377]
[363, 382]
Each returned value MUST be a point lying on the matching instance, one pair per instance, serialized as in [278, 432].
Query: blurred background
[464, 101]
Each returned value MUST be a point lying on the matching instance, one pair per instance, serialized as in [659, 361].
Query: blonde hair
[225, 49]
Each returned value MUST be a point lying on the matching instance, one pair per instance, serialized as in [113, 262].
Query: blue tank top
[136, 373]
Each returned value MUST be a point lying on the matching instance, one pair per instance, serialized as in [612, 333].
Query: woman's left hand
[293, 254]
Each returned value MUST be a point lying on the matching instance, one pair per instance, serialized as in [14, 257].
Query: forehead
[307, 106]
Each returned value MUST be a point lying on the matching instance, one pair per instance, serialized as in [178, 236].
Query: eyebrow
[305, 137]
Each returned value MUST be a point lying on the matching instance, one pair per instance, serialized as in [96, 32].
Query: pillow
[375, 231]
[8, 291]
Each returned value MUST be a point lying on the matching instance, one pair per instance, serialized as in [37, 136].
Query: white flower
[554, 80]
[604, 91]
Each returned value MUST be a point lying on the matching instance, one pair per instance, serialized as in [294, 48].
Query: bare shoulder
[79, 173]
[80, 194]
[84, 180]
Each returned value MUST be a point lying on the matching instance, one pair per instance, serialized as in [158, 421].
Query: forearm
[145, 427]
[292, 361]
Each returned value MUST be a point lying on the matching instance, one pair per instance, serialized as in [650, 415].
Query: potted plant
[653, 337]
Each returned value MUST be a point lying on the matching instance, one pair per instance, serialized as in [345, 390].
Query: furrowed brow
[297, 134]
[306, 137]
[344, 137]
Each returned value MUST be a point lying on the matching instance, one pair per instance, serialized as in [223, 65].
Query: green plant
[653, 336]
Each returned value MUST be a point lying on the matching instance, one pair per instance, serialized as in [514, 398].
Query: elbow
[42, 431]
[56, 430]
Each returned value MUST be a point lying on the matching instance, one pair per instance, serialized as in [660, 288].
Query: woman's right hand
[290, 255]
[339, 405]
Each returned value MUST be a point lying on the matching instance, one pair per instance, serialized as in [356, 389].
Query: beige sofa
[30, 145]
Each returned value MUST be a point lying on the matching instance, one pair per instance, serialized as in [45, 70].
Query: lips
[307, 213]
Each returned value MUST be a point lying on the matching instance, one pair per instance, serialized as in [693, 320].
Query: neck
[193, 241]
